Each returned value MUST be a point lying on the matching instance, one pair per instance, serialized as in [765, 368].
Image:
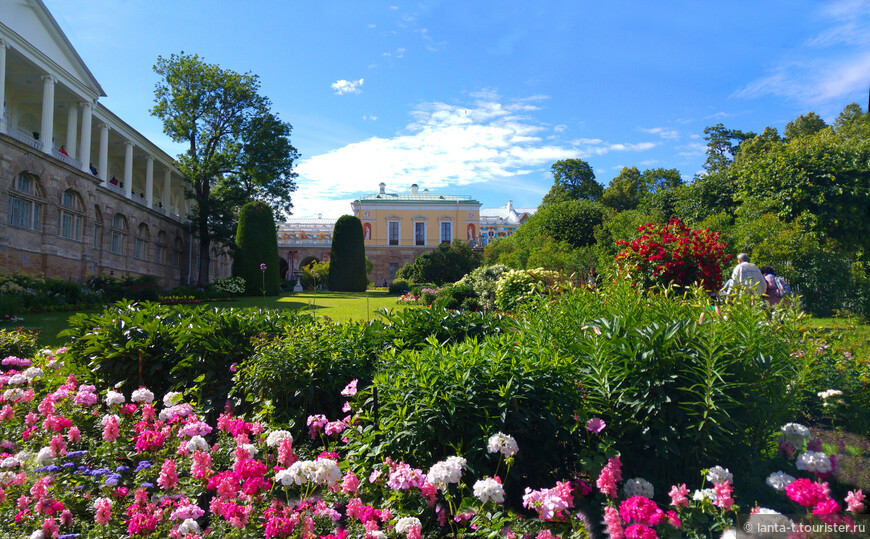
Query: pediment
[33, 23]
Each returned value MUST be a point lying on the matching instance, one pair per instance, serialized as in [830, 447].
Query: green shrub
[348, 256]
[257, 245]
[519, 286]
[19, 342]
[302, 373]
[456, 297]
[448, 263]
[484, 281]
[678, 381]
[411, 328]
[229, 286]
[447, 400]
[399, 287]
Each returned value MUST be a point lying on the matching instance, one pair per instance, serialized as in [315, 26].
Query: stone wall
[44, 251]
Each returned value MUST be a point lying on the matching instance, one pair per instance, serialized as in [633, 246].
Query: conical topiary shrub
[257, 244]
[347, 258]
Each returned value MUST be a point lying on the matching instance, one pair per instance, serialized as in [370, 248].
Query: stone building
[501, 222]
[81, 191]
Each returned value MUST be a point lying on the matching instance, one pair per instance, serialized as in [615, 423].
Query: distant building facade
[81, 191]
[399, 227]
[501, 222]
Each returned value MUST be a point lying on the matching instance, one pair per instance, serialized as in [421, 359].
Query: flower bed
[77, 462]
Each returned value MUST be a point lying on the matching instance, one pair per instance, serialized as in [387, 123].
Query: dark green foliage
[411, 328]
[573, 179]
[19, 343]
[303, 372]
[347, 258]
[573, 222]
[460, 296]
[188, 349]
[679, 385]
[257, 243]
[447, 400]
[805, 125]
[448, 263]
[399, 286]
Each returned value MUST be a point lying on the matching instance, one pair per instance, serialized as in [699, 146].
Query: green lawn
[855, 334]
[336, 305]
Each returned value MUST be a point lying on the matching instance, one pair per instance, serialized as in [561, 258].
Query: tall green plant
[348, 256]
[257, 244]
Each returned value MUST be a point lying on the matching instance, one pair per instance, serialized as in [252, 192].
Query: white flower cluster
[17, 380]
[814, 461]
[779, 480]
[44, 456]
[33, 373]
[197, 443]
[100, 501]
[764, 518]
[142, 395]
[502, 443]
[11, 395]
[639, 487]
[795, 434]
[113, 397]
[277, 436]
[718, 474]
[250, 449]
[489, 489]
[827, 394]
[10, 462]
[322, 472]
[404, 524]
[445, 472]
[189, 526]
[172, 398]
[6, 479]
[704, 494]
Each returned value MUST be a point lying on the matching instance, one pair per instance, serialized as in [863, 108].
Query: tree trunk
[204, 235]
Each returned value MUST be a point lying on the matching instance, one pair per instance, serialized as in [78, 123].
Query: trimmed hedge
[347, 258]
[257, 244]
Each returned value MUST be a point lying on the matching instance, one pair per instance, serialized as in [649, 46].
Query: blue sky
[479, 98]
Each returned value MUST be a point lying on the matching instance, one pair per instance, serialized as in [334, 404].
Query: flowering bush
[519, 286]
[673, 253]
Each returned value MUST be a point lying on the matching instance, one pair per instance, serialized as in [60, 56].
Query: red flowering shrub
[673, 253]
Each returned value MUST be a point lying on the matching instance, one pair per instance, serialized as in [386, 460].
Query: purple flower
[262, 267]
[595, 425]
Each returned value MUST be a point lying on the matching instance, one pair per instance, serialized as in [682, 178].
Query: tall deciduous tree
[804, 125]
[237, 150]
[573, 179]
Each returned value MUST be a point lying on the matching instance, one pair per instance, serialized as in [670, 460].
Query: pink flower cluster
[550, 503]
[610, 475]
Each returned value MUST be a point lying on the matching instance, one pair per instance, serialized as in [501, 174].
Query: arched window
[161, 247]
[98, 228]
[25, 202]
[140, 247]
[177, 246]
[70, 215]
[119, 234]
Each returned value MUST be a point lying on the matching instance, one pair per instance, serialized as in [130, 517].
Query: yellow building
[399, 227]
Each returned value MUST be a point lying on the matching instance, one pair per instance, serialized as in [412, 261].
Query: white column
[72, 125]
[167, 182]
[128, 169]
[3, 46]
[149, 181]
[85, 148]
[47, 112]
[103, 171]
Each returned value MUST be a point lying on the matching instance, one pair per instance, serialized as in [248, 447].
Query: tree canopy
[237, 149]
[573, 179]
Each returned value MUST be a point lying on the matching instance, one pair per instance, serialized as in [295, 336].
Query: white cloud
[826, 69]
[663, 132]
[370, 117]
[561, 128]
[445, 145]
[342, 86]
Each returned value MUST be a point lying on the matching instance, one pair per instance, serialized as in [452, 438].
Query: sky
[481, 97]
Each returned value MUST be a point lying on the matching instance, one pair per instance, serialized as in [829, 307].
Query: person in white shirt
[747, 276]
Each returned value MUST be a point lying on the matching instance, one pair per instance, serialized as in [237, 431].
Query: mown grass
[336, 305]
